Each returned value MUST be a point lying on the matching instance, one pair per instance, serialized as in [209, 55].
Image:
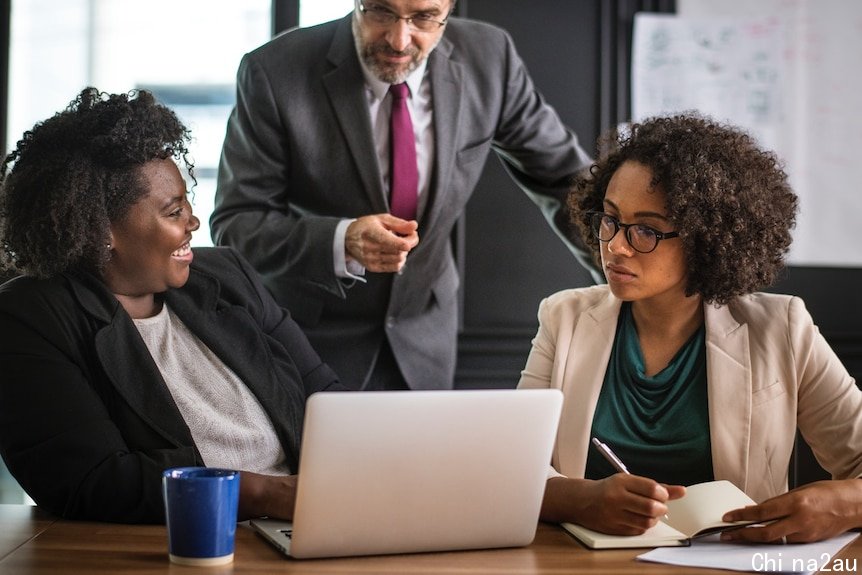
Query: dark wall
[577, 54]
[512, 257]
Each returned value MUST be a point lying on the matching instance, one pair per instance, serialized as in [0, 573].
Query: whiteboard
[789, 72]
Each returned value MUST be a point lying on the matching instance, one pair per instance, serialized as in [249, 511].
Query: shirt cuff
[345, 266]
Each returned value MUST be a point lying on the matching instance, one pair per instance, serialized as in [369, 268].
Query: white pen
[610, 456]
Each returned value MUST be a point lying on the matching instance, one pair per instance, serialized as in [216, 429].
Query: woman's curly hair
[75, 173]
[729, 200]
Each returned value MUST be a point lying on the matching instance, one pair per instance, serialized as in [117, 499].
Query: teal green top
[659, 425]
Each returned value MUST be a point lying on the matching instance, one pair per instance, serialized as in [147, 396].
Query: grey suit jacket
[299, 156]
[769, 372]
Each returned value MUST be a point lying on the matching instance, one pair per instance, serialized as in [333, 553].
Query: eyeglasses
[383, 17]
[641, 238]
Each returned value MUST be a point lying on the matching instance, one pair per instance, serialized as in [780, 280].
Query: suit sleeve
[540, 153]
[253, 210]
[537, 372]
[830, 403]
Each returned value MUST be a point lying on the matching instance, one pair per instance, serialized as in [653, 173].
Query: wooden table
[36, 544]
[19, 524]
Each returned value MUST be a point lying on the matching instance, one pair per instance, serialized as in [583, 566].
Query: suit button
[390, 322]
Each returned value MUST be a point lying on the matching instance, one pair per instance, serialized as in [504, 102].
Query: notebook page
[703, 506]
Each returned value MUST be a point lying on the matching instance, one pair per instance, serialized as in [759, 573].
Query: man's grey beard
[382, 73]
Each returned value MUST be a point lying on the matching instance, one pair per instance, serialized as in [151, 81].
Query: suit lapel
[344, 85]
[446, 93]
[729, 390]
[127, 363]
[583, 375]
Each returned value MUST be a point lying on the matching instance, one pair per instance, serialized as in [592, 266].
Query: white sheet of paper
[791, 558]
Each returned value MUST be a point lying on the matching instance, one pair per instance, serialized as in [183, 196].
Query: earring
[109, 247]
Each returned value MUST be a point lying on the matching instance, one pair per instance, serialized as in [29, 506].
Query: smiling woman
[150, 250]
[125, 352]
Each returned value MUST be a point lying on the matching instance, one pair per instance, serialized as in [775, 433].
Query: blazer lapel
[446, 82]
[729, 391]
[127, 362]
[583, 375]
[344, 85]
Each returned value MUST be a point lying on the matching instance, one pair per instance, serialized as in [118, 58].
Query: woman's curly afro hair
[75, 173]
[729, 200]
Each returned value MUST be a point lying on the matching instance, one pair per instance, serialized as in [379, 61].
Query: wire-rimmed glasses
[384, 17]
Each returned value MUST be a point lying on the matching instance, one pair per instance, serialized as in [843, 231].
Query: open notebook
[696, 514]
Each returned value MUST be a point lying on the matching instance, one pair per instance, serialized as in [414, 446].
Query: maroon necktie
[404, 175]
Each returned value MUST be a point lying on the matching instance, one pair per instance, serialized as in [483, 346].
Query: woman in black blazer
[124, 352]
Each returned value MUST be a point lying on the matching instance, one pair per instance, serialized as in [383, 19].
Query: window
[313, 12]
[186, 52]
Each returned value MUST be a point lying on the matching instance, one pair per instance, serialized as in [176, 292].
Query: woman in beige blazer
[693, 373]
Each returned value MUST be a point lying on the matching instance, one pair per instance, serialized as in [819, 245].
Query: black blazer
[87, 423]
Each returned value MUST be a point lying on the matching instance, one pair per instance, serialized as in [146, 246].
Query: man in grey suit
[304, 177]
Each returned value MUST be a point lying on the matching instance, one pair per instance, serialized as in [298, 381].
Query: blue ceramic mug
[200, 509]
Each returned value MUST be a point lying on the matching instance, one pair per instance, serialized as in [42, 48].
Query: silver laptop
[415, 471]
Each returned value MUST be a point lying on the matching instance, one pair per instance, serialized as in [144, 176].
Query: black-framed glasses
[383, 17]
[641, 238]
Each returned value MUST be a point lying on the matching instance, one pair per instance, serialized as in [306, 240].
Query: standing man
[349, 157]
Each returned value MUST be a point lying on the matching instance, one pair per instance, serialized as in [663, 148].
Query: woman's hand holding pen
[621, 504]
[628, 504]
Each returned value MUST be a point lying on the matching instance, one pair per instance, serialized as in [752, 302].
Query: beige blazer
[769, 371]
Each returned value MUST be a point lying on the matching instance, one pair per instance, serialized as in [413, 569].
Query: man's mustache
[387, 50]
